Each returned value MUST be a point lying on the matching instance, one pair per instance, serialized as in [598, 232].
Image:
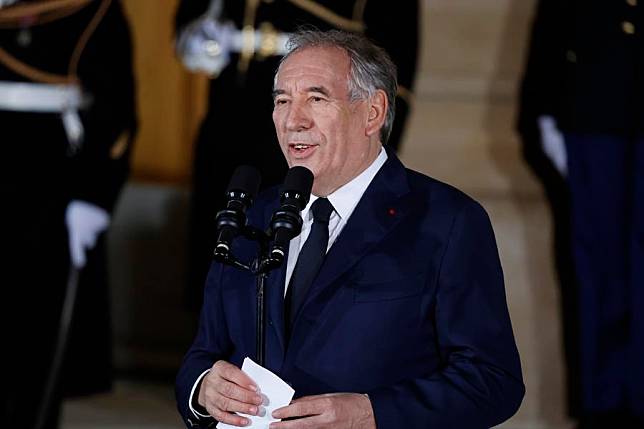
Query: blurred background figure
[240, 43]
[539, 94]
[68, 116]
[582, 123]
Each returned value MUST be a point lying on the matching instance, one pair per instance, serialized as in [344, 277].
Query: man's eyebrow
[322, 90]
[319, 89]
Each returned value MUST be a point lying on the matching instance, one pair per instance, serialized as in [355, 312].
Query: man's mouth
[300, 146]
[301, 149]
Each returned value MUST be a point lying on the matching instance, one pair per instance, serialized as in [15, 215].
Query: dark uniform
[238, 128]
[585, 69]
[39, 177]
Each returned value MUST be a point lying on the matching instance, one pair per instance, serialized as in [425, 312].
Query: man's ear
[377, 112]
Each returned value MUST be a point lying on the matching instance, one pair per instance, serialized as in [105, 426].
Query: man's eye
[317, 99]
[280, 101]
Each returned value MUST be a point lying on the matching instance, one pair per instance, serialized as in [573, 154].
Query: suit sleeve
[211, 344]
[101, 167]
[480, 384]
[395, 27]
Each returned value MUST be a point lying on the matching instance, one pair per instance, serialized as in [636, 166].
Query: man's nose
[299, 118]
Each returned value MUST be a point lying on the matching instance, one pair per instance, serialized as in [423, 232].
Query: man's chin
[301, 163]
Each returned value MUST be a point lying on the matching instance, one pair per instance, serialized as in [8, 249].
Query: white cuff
[192, 392]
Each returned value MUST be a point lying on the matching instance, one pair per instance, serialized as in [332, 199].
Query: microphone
[243, 187]
[286, 222]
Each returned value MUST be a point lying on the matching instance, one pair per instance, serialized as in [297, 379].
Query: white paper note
[274, 390]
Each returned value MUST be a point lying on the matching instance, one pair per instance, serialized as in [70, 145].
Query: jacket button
[628, 27]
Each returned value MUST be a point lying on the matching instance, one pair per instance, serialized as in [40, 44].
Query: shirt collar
[345, 198]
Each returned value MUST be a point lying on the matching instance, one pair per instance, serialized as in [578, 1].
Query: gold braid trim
[120, 145]
[56, 15]
[405, 94]
[43, 11]
[329, 16]
[25, 70]
[43, 76]
[87, 34]
[358, 10]
[248, 36]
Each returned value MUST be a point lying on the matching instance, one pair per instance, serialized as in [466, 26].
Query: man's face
[317, 125]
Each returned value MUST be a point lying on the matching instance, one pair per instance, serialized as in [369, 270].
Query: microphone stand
[260, 267]
[285, 224]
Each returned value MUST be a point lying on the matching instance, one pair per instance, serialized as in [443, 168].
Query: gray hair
[371, 67]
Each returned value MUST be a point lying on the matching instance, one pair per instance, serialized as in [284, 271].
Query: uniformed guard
[239, 43]
[68, 117]
[582, 120]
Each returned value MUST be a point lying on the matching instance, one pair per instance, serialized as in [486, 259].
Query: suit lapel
[379, 210]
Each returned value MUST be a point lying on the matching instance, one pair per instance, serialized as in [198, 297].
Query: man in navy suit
[405, 324]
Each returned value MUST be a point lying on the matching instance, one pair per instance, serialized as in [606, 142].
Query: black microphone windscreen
[245, 178]
[299, 179]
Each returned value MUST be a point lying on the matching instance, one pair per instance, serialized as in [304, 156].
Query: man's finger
[234, 392]
[310, 407]
[305, 398]
[231, 373]
[303, 423]
[231, 405]
[229, 418]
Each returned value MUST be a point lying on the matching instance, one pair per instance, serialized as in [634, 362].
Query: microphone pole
[286, 223]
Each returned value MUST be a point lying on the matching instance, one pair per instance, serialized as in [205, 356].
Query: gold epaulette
[405, 94]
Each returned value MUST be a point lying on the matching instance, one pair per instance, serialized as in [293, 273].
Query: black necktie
[309, 260]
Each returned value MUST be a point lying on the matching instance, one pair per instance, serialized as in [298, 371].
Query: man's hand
[225, 390]
[336, 410]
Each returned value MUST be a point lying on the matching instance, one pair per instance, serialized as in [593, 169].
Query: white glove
[553, 143]
[85, 221]
[4, 3]
[205, 44]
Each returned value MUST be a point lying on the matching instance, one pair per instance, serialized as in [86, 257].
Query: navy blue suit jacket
[409, 307]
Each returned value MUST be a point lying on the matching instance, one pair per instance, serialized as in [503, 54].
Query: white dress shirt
[344, 201]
